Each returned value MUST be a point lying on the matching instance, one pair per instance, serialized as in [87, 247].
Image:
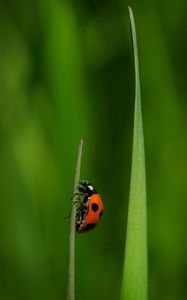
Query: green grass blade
[134, 284]
[71, 275]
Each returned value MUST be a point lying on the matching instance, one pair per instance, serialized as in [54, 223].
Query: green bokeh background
[66, 72]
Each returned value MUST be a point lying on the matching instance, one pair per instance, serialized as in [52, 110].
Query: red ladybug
[89, 209]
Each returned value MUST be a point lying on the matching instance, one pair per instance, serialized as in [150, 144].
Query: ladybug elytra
[89, 209]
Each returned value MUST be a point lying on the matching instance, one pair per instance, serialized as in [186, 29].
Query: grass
[134, 282]
[62, 67]
[71, 278]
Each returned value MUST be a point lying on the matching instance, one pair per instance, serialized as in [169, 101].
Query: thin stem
[71, 279]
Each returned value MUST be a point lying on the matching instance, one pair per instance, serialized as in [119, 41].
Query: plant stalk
[71, 278]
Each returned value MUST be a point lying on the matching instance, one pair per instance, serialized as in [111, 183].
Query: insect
[89, 208]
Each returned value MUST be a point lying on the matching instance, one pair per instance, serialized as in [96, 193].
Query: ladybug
[89, 208]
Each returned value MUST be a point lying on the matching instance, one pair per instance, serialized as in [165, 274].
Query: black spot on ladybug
[95, 207]
[101, 214]
[89, 227]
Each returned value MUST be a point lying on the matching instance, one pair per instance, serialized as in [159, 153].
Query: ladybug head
[85, 187]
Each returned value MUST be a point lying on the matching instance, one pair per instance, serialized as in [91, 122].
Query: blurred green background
[66, 72]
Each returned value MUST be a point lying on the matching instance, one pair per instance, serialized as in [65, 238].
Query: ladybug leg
[78, 196]
[67, 217]
[81, 209]
[75, 201]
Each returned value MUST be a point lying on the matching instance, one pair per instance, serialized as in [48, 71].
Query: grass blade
[71, 278]
[134, 283]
